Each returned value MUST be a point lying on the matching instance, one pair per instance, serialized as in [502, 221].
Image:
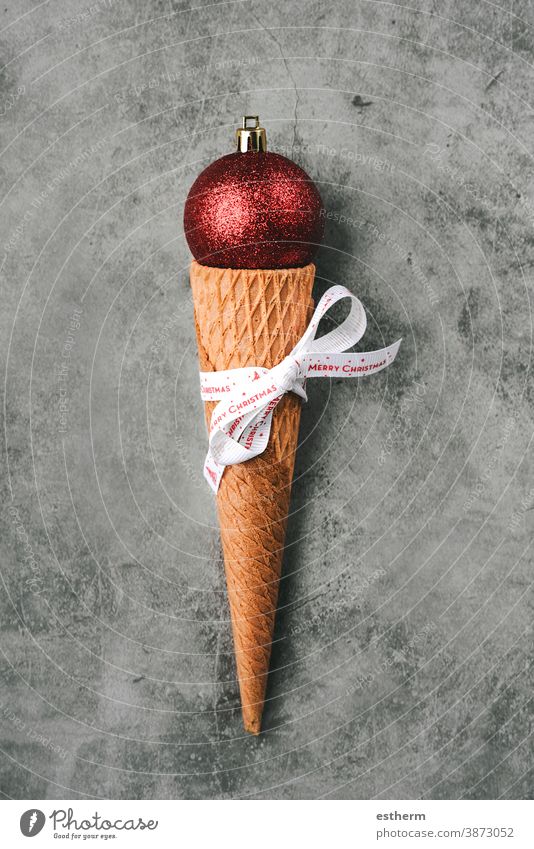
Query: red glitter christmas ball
[253, 209]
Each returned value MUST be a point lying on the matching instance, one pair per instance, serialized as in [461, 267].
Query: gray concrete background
[403, 659]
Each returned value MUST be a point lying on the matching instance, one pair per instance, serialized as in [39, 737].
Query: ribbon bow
[241, 421]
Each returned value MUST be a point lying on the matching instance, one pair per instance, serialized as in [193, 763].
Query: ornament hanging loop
[251, 138]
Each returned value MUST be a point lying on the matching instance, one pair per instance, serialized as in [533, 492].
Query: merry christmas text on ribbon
[241, 421]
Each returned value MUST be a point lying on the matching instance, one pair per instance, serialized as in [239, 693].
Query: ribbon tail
[213, 472]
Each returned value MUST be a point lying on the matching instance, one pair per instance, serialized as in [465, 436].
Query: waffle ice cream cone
[253, 318]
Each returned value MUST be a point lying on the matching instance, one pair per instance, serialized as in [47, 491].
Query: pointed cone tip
[252, 726]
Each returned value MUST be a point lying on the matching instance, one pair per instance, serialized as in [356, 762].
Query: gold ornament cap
[251, 138]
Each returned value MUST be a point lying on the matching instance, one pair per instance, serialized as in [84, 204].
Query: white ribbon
[241, 421]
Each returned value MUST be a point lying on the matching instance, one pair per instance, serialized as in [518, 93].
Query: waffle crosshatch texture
[246, 318]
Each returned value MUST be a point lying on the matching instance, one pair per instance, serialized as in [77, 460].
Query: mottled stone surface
[402, 666]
